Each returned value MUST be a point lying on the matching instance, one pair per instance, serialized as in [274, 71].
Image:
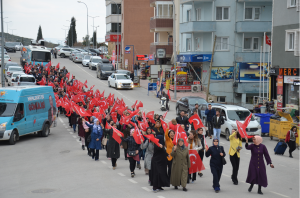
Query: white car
[94, 61]
[86, 60]
[12, 77]
[6, 59]
[19, 46]
[24, 80]
[120, 81]
[231, 113]
[12, 69]
[64, 52]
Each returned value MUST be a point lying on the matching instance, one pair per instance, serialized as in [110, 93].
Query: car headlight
[3, 126]
[119, 83]
[103, 72]
[259, 126]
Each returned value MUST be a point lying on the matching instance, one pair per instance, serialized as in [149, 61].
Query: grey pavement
[56, 166]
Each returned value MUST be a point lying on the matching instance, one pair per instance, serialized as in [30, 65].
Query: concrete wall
[283, 15]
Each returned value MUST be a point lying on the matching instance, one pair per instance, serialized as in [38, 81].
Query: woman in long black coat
[113, 147]
[159, 177]
[74, 120]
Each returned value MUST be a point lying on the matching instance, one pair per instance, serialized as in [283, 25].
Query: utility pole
[174, 49]
[93, 30]
[209, 74]
[2, 47]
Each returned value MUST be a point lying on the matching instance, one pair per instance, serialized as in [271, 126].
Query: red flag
[247, 121]
[68, 75]
[51, 84]
[85, 84]
[196, 162]
[61, 84]
[125, 120]
[143, 125]
[114, 116]
[42, 82]
[92, 87]
[97, 94]
[139, 105]
[195, 119]
[180, 133]
[110, 100]
[150, 115]
[134, 113]
[134, 105]
[164, 125]
[57, 68]
[242, 130]
[107, 126]
[268, 41]
[137, 135]
[103, 104]
[169, 94]
[81, 111]
[58, 103]
[165, 114]
[115, 135]
[152, 139]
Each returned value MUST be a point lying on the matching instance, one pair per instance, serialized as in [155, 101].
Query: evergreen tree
[95, 39]
[86, 38]
[39, 35]
[72, 35]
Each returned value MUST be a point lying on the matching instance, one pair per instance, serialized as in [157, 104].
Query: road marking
[104, 162]
[226, 175]
[160, 197]
[68, 129]
[121, 174]
[74, 136]
[132, 181]
[61, 120]
[146, 189]
[71, 133]
[279, 194]
[282, 165]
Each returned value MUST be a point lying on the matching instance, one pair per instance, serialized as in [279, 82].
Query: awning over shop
[187, 58]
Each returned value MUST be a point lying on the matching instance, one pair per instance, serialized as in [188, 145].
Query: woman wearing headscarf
[87, 133]
[149, 146]
[257, 170]
[181, 164]
[201, 137]
[234, 153]
[169, 135]
[159, 177]
[81, 132]
[96, 134]
[126, 131]
[113, 147]
[290, 139]
[216, 162]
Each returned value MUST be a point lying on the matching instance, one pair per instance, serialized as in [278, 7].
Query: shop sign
[290, 79]
[112, 38]
[296, 82]
[150, 57]
[288, 71]
[161, 53]
[279, 92]
[142, 57]
[127, 50]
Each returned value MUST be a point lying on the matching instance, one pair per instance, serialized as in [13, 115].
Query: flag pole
[264, 66]
[260, 74]
[268, 73]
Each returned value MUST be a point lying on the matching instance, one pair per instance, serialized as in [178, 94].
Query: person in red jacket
[291, 139]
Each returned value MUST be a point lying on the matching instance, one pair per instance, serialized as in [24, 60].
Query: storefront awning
[187, 58]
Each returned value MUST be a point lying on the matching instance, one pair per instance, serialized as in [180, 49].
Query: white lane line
[160, 197]
[74, 136]
[226, 175]
[71, 133]
[146, 189]
[279, 194]
[68, 129]
[132, 181]
[281, 165]
[61, 120]
[121, 174]
[103, 162]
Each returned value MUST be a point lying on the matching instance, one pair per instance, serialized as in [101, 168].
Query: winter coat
[217, 123]
[113, 147]
[168, 144]
[81, 131]
[216, 159]
[126, 133]
[180, 165]
[74, 118]
[132, 145]
[96, 133]
[148, 154]
[210, 114]
[159, 132]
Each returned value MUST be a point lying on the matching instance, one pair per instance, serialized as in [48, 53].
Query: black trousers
[209, 132]
[216, 172]
[169, 165]
[86, 135]
[192, 177]
[201, 154]
[95, 154]
[235, 162]
[113, 161]
[55, 55]
[132, 164]
[292, 146]
[125, 153]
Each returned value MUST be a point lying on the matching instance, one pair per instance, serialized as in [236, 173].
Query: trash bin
[264, 120]
[279, 128]
[263, 109]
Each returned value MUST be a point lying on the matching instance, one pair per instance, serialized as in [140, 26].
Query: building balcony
[161, 23]
[253, 26]
[250, 57]
[191, 1]
[152, 2]
[168, 46]
[198, 26]
[251, 1]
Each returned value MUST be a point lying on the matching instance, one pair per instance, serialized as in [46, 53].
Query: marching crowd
[172, 153]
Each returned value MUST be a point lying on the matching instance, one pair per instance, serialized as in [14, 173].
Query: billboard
[222, 73]
[250, 72]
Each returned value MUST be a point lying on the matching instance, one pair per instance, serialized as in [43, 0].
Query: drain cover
[43, 190]
[66, 151]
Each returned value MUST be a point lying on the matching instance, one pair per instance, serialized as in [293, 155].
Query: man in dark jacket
[197, 109]
[217, 121]
[182, 119]
[209, 115]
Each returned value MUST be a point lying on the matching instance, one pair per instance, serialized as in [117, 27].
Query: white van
[231, 113]
[25, 80]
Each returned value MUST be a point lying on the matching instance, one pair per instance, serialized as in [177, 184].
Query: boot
[250, 188]
[83, 147]
[259, 190]
[291, 155]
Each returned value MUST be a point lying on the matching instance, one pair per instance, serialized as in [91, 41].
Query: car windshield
[238, 115]
[15, 69]
[10, 44]
[193, 101]
[111, 68]
[96, 60]
[79, 55]
[87, 57]
[11, 64]
[122, 77]
[41, 56]
[6, 56]
[15, 75]
[27, 79]
[7, 109]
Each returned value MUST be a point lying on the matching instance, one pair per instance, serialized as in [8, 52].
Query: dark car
[188, 103]
[10, 47]
[104, 69]
[203, 107]
[95, 51]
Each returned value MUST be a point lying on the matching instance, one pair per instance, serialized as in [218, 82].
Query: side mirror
[224, 118]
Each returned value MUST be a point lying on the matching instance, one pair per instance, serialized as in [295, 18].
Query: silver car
[12, 77]
[78, 58]
[12, 69]
[25, 80]
[86, 60]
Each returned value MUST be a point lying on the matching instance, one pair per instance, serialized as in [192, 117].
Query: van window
[27, 79]
[238, 115]
[7, 109]
[19, 114]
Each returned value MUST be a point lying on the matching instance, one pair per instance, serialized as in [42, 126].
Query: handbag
[104, 141]
[131, 153]
[89, 138]
[223, 159]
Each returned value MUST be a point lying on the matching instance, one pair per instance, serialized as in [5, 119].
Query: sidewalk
[144, 84]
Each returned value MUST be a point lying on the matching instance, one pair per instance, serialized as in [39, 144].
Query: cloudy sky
[52, 15]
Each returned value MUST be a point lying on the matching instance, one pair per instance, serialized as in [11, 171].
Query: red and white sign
[196, 82]
[181, 87]
[112, 38]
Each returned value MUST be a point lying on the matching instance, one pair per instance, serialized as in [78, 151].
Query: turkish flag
[125, 120]
[68, 75]
[114, 116]
[81, 111]
[51, 84]
[42, 82]
[134, 113]
[139, 105]
[115, 135]
[150, 115]
[107, 126]
[134, 105]
[165, 114]
[247, 120]
[97, 94]
[137, 135]
[143, 125]
[121, 110]
[92, 87]
[268, 41]
[58, 103]
[169, 94]
[152, 139]
[85, 84]
[57, 68]
[180, 133]
[164, 125]
[103, 104]
[196, 162]
[242, 130]
[195, 119]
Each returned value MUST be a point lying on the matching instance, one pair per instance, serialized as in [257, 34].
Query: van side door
[19, 119]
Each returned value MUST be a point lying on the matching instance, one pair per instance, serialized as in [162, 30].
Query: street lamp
[87, 19]
[12, 31]
[93, 29]
[7, 27]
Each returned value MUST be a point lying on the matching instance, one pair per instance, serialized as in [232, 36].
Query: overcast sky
[52, 15]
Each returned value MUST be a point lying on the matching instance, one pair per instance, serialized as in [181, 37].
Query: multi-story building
[239, 27]
[285, 78]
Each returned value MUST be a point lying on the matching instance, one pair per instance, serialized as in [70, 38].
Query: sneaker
[184, 189]
[114, 168]
[176, 188]
[161, 188]
[201, 174]
[132, 174]
[155, 191]
[192, 182]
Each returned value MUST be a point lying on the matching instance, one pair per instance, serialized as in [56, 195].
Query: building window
[156, 37]
[291, 3]
[221, 98]
[222, 44]
[222, 13]
[198, 14]
[189, 15]
[188, 44]
[252, 13]
[251, 43]
[164, 10]
[198, 44]
[115, 9]
[290, 40]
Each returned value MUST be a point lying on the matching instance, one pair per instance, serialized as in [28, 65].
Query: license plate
[250, 133]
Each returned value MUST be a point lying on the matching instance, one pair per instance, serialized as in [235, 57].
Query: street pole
[87, 21]
[174, 50]
[210, 67]
[7, 27]
[2, 48]
[65, 33]
[93, 30]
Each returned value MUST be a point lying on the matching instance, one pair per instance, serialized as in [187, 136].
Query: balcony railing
[168, 46]
[162, 43]
[254, 26]
[161, 22]
[162, 17]
[152, 2]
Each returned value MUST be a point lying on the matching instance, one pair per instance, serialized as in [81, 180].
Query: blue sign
[187, 58]
[152, 87]
[127, 50]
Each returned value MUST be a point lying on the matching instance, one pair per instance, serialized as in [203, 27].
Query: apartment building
[285, 78]
[239, 27]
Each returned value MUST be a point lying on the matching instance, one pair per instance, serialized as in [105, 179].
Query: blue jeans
[135, 72]
[74, 127]
[217, 133]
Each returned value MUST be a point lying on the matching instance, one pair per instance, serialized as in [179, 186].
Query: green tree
[86, 38]
[95, 38]
[72, 35]
[40, 34]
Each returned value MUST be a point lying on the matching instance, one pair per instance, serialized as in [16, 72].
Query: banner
[250, 72]
[222, 73]
[279, 92]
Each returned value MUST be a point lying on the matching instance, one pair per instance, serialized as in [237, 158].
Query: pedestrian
[135, 69]
[81, 132]
[290, 139]
[126, 131]
[87, 134]
[149, 146]
[201, 137]
[257, 173]
[182, 119]
[216, 162]
[234, 154]
[74, 117]
[159, 177]
[210, 113]
[113, 147]
[217, 121]
[169, 135]
[181, 164]
[96, 134]
[55, 53]
[193, 144]
[132, 151]
[157, 128]
[198, 111]
[172, 124]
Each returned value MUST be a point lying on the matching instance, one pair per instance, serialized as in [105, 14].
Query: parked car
[91, 52]
[12, 77]
[120, 81]
[94, 61]
[85, 60]
[121, 71]
[8, 64]
[19, 46]
[6, 59]
[202, 108]
[231, 114]
[25, 80]
[62, 46]
[97, 52]
[78, 58]
[12, 69]
[5, 52]
[104, 69]
[188, 103]
[10, 46]
[63, 52]
[73, 54]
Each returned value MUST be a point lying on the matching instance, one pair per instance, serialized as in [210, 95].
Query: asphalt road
[56, 166]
